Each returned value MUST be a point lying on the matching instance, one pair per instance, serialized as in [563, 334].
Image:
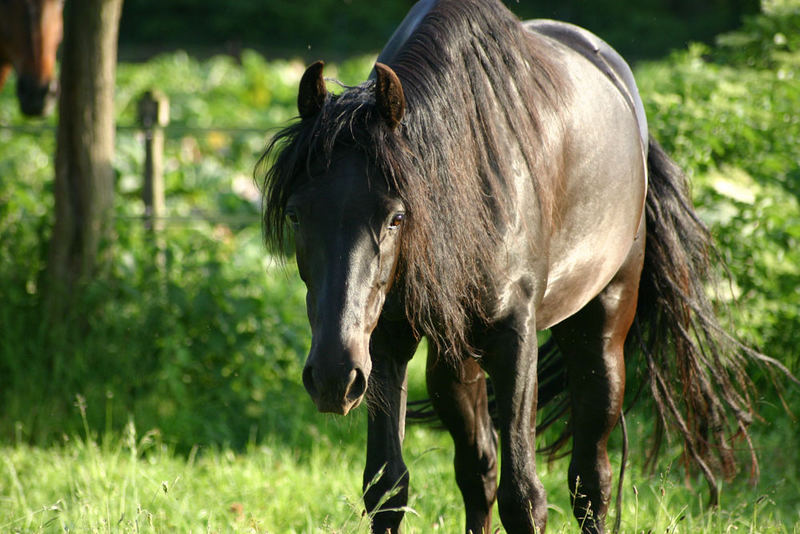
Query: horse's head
[347, 226]
[30, 32]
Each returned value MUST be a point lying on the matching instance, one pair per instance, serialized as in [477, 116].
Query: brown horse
[30, 32]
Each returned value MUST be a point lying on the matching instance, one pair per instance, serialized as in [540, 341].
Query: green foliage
[339, 28]
[280, 25]
[733, 121]
[129, 482]
[766, 41]
[206, 346]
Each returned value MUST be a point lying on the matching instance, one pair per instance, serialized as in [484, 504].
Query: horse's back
[601, 55]
[600, 195]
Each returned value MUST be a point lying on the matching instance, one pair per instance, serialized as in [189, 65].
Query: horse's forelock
[307, 147]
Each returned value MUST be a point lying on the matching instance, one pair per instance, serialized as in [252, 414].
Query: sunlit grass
[133, 482]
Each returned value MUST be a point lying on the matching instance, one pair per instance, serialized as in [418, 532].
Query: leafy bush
[730, 115]
[208, 346]
[765, 41]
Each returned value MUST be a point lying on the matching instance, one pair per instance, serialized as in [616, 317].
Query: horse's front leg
[458, 394]
[385, 475]
[511, 357]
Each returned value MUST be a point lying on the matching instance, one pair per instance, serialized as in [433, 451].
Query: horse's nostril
[308, 381]
[357, 386]
[34, 98]
[334, 392]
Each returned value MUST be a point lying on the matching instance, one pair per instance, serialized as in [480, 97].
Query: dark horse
[493, 179]
[30, 32]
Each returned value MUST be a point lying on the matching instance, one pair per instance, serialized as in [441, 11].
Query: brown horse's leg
[459, 397]
[385, 475]
[510, 356]
[592, 341]
[5, 70]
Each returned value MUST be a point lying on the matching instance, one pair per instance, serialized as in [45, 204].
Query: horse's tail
[695, 369]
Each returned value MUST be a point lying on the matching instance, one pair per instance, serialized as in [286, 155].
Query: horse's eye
[396, 221]
[292, 217]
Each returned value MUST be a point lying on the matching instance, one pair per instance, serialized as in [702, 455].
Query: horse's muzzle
[35, 99]
[336, 390]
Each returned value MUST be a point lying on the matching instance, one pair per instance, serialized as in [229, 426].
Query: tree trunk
[84, 181]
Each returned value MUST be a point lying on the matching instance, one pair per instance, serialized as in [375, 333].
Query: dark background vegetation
[340, 28]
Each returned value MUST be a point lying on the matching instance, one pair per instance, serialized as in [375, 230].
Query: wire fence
[150, 128]
[171, 130]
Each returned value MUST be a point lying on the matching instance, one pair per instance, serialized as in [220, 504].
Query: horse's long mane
[480, 96]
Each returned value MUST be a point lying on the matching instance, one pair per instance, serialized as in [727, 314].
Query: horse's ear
[389, 95]
[312, 93]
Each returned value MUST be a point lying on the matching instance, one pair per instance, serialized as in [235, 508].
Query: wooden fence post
[153, 110]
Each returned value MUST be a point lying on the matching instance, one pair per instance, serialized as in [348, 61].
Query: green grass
[309, 481]
[134, 482]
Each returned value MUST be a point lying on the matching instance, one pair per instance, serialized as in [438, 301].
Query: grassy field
[181, 408]
[132, 482]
